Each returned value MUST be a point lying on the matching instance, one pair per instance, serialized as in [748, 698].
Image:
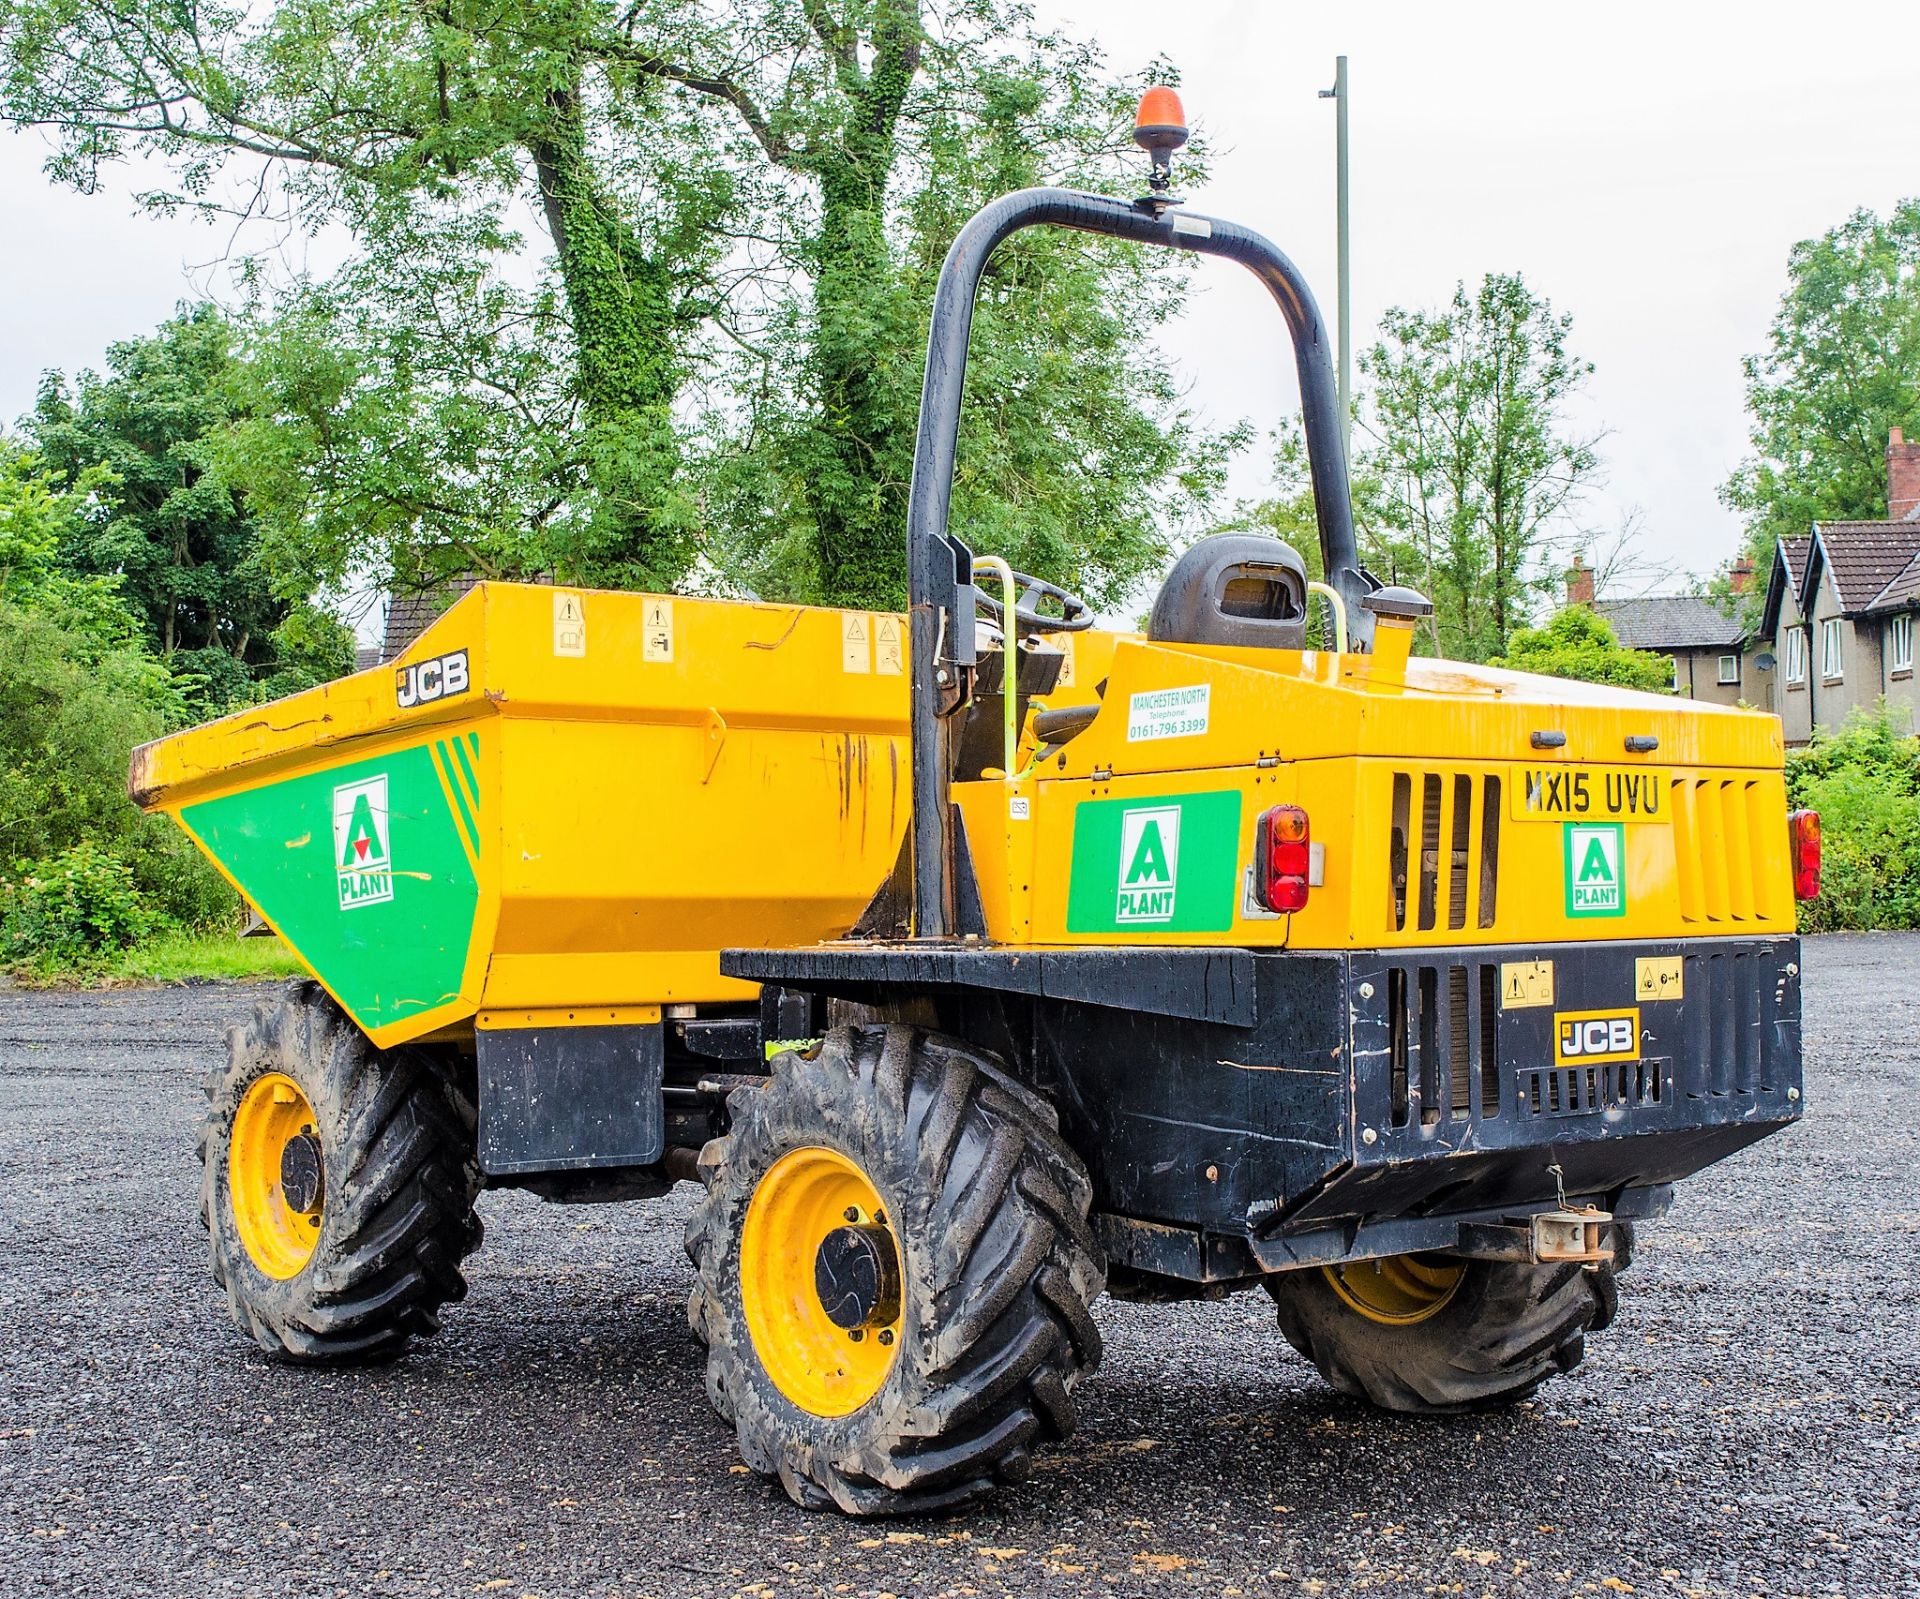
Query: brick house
[1706, 647]
[1841, 612]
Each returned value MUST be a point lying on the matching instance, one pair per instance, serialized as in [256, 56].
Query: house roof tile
[1671, 622]
[1865, 558]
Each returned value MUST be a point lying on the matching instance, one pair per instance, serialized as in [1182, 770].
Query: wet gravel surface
[1751, 1425]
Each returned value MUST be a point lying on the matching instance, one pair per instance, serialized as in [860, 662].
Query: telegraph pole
[1338, 94]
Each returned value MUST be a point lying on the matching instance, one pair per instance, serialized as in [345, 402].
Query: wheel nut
[852, 1213]
[855, 1334]
[886, 1336]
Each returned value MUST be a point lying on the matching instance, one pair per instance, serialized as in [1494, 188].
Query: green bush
[1580, 644]
[1865, 783]
[72, 706]
[73, 909]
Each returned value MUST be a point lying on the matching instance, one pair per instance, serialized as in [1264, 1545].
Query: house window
[1729, 669]
[1900, 641]
[1831, 666]
[1673, 673]
[1796, 645]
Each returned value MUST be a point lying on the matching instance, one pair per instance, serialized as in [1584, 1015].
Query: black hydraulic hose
[930, 499]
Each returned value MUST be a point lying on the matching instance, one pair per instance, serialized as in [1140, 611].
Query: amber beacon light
[1160, 128]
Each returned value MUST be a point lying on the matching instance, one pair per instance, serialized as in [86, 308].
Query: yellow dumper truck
[976, 962]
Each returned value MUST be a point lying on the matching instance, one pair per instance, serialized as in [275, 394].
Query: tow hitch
[1563, 1237]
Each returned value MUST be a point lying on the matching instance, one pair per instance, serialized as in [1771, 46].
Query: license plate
[1589, 793]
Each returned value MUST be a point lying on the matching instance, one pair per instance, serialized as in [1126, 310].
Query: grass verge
[175, 957]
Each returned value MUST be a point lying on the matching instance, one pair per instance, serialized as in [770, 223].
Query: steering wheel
[1076, 616]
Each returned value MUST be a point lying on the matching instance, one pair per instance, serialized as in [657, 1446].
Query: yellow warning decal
[1524, 983]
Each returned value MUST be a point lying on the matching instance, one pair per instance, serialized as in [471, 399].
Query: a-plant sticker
[1149, 864]
[1160, 863]
[1596, 868]
[362, 842]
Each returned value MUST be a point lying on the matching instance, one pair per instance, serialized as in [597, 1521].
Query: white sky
[1647, 167]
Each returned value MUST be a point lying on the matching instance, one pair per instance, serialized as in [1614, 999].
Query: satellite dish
[1764, 661]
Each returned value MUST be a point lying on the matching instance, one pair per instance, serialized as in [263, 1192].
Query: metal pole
[1338, 94]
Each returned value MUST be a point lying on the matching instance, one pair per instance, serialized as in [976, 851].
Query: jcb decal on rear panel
[1165, 863]
[1587, 1037]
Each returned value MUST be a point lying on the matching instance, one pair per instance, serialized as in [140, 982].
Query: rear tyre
[894, 1273]
[1429, 1335]
[338, 1185]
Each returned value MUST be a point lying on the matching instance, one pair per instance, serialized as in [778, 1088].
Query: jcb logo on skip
[437, 679]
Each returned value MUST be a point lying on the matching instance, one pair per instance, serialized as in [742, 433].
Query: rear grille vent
[1444, 850]
[1576, 1090]
[1716, 823]
[1443, 1043]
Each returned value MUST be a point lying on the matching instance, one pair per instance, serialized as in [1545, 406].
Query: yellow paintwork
[280, 1239]
[1331, 733]
[1397, 1290]
[664, 779]
[822, 1368]
[645, 803]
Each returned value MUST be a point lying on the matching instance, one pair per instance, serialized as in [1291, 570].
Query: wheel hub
[855, 1275]
[301, 1178]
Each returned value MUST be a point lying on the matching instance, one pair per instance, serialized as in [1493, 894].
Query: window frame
[1798, 648]
[1724, 677]
[1833, 664]
[1899, 632]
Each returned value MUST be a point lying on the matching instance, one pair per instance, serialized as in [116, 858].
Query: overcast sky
[1646, 167]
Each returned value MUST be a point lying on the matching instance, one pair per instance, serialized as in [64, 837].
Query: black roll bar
[938, 565]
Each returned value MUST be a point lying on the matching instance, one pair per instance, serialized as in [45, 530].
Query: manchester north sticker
[362, 843]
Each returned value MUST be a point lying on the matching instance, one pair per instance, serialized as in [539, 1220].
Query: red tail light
[1283, 852]
[1803, 832]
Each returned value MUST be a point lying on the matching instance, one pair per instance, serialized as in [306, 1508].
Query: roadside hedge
[1865, 783]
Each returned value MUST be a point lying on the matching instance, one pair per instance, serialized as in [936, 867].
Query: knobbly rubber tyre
[1506, 1330]
[400, 1176]
[998, 1270]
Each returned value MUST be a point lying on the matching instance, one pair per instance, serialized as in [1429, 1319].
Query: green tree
[415, 415]
[1841, 368]
[1467, 432]
[362, 113]
[176, 534]
[886, 123]
[1579, 643]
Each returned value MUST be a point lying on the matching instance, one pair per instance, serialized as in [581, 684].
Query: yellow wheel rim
[818, 1364]
[1399, 1290]
[274, 1141]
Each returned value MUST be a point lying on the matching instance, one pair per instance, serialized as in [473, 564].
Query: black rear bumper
[1312, 1107]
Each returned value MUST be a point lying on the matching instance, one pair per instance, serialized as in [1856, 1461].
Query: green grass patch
[169, 957]
[182, 957]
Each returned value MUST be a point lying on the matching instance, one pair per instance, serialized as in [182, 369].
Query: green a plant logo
[1596, 877]
[1149, 864]
[362, 842]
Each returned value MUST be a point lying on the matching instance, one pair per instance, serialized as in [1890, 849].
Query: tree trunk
[621, 306]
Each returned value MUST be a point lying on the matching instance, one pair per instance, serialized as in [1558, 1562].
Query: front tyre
[338, 1185]
[1432, 1335]
[894, 1273]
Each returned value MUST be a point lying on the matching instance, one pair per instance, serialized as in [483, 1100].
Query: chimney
[1740, 575]
[1580, 582]
[1903, 477]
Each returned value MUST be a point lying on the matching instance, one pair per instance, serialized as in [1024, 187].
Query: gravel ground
[1750, 1426]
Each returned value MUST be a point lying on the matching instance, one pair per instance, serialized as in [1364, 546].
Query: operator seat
[1234, 588]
